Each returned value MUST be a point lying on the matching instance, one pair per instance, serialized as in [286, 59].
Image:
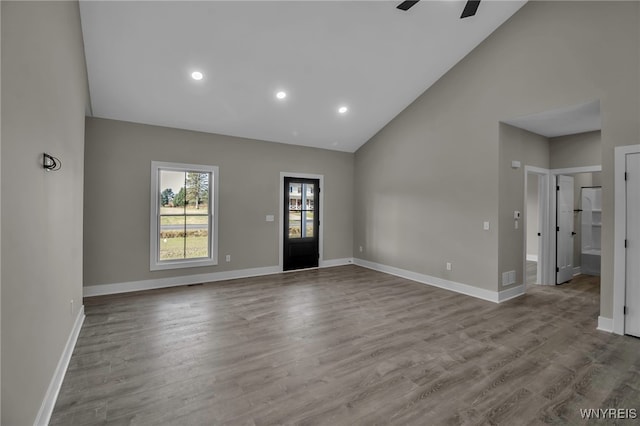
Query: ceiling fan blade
[406, 5]
[470, 8]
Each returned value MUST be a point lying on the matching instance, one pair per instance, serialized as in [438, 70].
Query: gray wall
[582, 149]
[429, 178]
[531, 150]
[43, 105]
[117, 179]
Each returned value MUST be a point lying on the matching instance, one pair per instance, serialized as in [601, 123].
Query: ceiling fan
[470, 8]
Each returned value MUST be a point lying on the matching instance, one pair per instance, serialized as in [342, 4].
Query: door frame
[619, 235]
[544, 261]
[547, 259]
[282, 213]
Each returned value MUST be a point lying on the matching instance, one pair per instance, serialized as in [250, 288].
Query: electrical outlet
[71, 303]
[486, 226]
[448, 266]
[361, 249]
[228, 258]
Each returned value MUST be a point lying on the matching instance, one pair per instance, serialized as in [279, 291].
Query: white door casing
[632, 273]
[564, 234]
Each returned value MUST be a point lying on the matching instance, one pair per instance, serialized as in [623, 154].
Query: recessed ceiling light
[343, 110]
[281, 95]
[197, 75]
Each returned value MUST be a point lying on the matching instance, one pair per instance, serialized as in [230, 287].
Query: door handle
[573, 233]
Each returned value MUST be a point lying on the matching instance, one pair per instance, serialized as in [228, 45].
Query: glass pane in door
[295, 224]
[308, 228]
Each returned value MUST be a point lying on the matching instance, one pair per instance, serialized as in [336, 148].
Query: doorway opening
[567, 143]
[562, 224]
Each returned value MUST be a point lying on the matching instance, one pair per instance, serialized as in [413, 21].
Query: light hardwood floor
[345, 346]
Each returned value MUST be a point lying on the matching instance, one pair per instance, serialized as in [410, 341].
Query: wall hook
[51, 163]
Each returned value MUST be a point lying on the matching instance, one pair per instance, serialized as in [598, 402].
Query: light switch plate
[486, 226]
[269, 218]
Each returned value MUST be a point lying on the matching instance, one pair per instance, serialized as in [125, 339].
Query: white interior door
[632, 293]
[542, 225]
[564, 224]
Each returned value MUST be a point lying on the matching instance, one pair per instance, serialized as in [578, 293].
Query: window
[184, 215]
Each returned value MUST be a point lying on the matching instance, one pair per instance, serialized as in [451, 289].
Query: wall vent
[508, 277]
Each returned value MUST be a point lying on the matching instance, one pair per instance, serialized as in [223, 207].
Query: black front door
[301, 223]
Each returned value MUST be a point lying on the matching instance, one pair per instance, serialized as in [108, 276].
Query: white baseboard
[127, 287]
[511, 293]
[577, 271]
[605, 324]
[480, 293]
[49, 402]
[336, 262]
[532, 257]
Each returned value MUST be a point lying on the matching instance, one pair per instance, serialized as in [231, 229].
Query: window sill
[179, 264]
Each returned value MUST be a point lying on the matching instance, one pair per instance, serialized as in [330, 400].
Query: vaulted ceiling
[367, 56]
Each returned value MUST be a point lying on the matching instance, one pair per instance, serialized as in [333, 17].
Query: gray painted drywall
[43, 105]
[118, 159]
[428, 179]
[531, 150]
[582, 149]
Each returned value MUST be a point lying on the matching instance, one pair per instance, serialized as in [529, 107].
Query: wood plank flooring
[345, 346]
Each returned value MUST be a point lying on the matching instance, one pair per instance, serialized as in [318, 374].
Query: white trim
[576, 170]
[49, 401]
[336, 262]
[577, 270]
[543, 224]
[511, 293]
[619, 235]
[532, 257]
[605, 324]
[155, 264]
[281, 219]
[127, 287]
[546, 263]
[142, 285]
[479, 293]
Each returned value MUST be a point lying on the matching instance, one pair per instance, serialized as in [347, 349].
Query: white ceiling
[367, 55]
[564, 121]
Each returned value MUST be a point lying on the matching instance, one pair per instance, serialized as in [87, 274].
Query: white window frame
[155, 263]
